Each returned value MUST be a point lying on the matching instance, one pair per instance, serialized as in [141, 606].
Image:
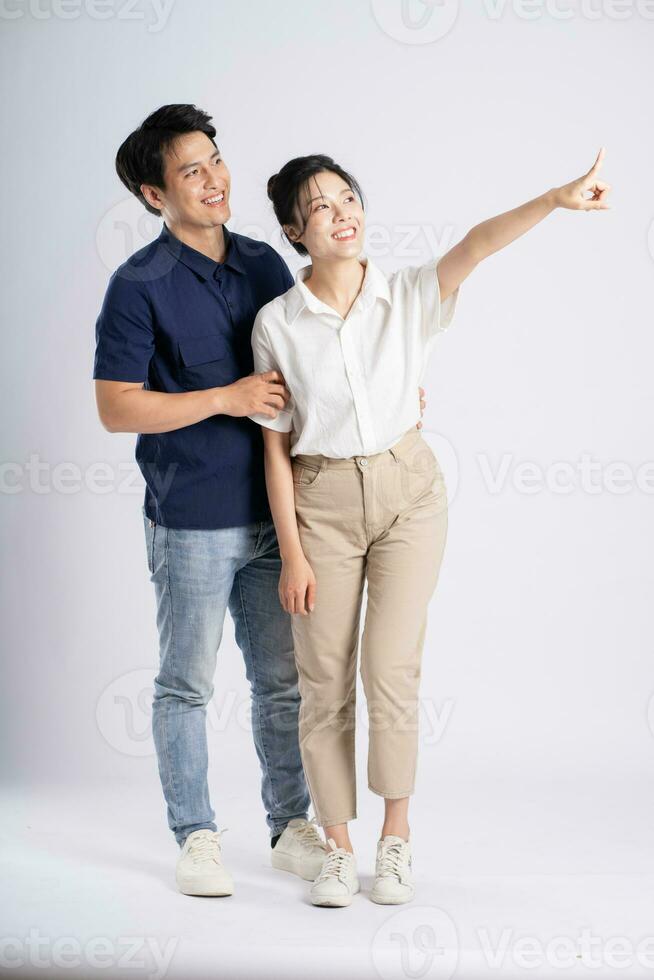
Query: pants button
[364, 461]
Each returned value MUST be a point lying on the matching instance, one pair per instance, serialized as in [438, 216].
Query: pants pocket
[419, 470]
[150, 531]
[307, 475]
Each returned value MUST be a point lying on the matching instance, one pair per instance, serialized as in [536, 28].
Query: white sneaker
[337, 882]
[300, 849]
[200, 868]
[393, 878]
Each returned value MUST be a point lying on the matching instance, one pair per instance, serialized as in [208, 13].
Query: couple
[279, 438]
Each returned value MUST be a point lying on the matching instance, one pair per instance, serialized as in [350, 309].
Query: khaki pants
[382, 518]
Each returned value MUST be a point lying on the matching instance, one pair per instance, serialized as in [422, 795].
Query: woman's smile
[345, 235]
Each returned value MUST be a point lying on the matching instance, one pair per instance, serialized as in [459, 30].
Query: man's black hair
[140, 158]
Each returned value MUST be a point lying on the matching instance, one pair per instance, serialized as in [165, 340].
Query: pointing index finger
[598, 162]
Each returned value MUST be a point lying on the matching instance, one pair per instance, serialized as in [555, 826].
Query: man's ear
[151, 194]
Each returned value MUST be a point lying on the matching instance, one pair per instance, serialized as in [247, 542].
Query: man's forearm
[494, 234]
[142, 410]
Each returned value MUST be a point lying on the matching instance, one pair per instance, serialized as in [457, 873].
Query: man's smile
[215, 201]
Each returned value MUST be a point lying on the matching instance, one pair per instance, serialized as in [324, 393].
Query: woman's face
[332, 224]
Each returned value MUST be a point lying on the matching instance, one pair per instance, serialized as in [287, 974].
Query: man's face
[196, 184]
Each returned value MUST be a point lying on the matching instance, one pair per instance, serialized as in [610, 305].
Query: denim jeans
[197, 576]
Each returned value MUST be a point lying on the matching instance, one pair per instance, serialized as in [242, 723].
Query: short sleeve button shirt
[354, 380]
[177, 321]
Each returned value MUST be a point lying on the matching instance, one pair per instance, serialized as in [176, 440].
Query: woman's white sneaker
[337, 882]
[393, 877]
[200, 869]
[300, 849]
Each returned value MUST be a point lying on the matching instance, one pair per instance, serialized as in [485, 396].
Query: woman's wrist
[292, 553]
[552, 198]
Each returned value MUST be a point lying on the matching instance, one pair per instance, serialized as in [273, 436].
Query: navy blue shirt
[175, 320]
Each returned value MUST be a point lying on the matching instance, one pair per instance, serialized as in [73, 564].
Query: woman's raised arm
[496, 233]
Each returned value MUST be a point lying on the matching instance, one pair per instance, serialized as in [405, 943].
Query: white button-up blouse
[354, 381]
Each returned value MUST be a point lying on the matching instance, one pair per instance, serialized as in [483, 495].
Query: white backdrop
[537, 744]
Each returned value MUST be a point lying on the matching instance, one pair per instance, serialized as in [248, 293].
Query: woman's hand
[421, 393]
[297, 585]
[572, 195]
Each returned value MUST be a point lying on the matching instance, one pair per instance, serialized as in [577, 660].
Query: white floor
[510, 878]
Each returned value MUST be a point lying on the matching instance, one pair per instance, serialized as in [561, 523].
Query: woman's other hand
[423, 403]
[297, 585]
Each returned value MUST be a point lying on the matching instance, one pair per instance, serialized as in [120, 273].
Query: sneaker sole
[205, 889]
[334, 901]
[284, 862]
[387, 900]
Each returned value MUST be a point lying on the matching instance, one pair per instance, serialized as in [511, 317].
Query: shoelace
[390, 862]
[308, 835]
[335, 864]
[204, 846]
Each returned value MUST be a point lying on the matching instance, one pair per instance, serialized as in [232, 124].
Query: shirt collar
[374, 286]
[198, 262]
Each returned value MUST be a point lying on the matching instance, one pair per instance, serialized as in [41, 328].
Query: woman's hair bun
[271, 184]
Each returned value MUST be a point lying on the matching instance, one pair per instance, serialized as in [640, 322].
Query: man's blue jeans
[198, 575]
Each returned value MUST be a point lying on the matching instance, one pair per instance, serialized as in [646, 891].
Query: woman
[356, 493]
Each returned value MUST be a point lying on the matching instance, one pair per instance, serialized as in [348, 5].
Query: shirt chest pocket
[206, 362]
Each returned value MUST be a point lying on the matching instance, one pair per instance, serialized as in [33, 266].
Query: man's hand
[257, 394]
[423, 403]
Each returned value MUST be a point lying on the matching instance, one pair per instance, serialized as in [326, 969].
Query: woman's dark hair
[284, 188]
[140, 159]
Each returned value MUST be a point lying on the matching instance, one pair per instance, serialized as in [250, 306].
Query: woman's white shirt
[354, 381]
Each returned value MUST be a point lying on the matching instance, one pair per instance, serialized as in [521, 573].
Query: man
[174, 364]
